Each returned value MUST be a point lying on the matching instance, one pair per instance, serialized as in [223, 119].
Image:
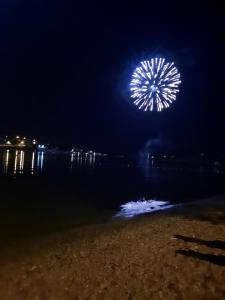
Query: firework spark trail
[154, 84]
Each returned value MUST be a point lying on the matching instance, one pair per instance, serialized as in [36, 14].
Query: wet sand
[177, 254]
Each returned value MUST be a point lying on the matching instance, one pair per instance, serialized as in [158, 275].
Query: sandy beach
[174, 254]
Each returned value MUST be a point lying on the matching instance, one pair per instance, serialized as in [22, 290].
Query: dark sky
[65, 69]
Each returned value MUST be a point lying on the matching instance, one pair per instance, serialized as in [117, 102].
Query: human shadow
[211, 244]
[215, 259]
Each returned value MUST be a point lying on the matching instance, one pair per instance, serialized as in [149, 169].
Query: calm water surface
[41, 192]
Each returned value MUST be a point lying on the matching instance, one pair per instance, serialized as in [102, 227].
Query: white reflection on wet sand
[134, 208]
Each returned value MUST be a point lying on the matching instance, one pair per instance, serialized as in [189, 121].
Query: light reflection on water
[83, 185]
[40, 160]
[18, 161]
[6, 162]
[32, 163]
[15, 162]
[120, 179]
[86, 159]
[134, 208]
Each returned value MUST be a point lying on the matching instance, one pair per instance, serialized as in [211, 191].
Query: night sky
[65, 69]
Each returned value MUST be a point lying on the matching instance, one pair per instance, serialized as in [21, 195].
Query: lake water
[43, 192]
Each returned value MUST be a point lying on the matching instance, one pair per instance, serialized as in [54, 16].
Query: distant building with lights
[18, 142]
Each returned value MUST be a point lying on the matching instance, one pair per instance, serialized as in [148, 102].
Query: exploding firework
[154, 84]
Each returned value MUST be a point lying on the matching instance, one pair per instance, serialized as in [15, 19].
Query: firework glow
[134, 208]
[154, 84]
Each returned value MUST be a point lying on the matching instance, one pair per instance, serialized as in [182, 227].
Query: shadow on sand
[211, 244]
[216, 244]
[215, 259]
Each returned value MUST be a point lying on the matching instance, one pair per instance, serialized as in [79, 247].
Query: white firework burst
[154, 84]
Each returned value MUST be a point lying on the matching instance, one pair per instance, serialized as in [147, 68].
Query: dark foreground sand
[136, 259]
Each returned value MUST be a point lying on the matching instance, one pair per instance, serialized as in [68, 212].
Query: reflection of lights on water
[21, 163]
[18, 161]
[6, 163]
[134, 208]
[92, 159]
[15, 162]
[71, 160]
[7, 160]
[79, 159]
[32, 163]
[40, 160]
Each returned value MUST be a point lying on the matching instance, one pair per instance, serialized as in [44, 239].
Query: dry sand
[135, 259]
